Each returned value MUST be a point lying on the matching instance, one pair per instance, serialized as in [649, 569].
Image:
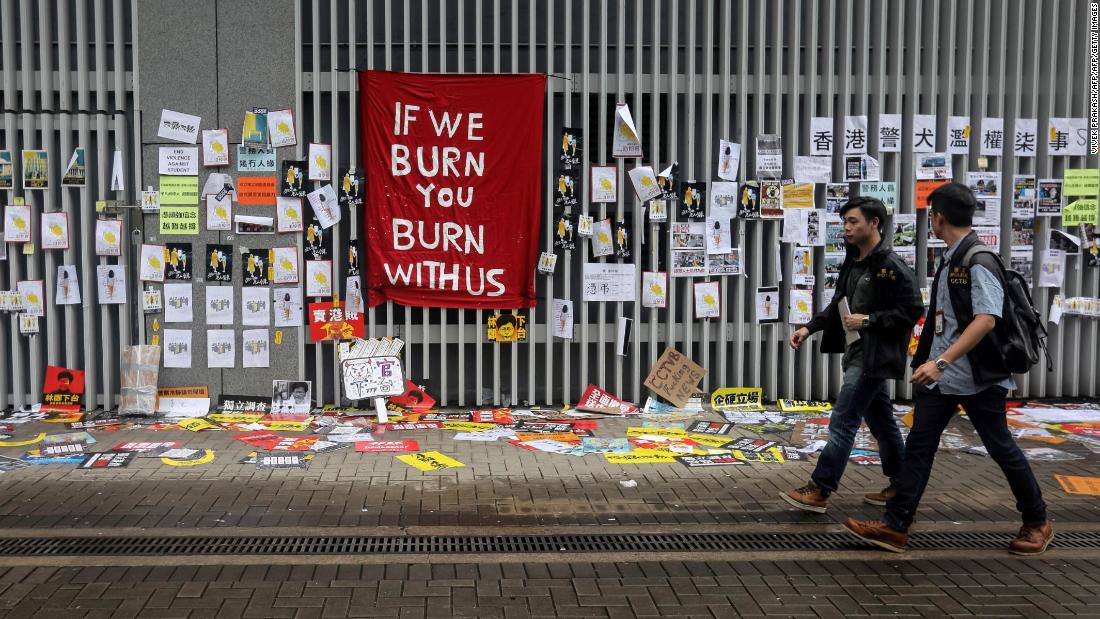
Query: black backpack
[1021, 330]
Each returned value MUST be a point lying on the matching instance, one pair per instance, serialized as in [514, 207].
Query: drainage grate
[547, 544]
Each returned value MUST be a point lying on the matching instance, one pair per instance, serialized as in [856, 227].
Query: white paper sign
[256, 306]
[855, 135]
[55, 231]
[220, 349]
[179, 161]
[178, 305]
[1026, 137]
[889, 133]
[561, 319]
[219, 213]
[32, 294]
[151, 267]
[813, 169]
[178, 127]
[17, 223]
[318, 278]
[256, 345]
[289, 214]
[644, 182]
[729, 160]
[280, 126]
[924, 133]
[1068, 136]
[801, 306]
[288, 307]
[320, 162]
[111, 284]
[219, 305]
[707, 304]
[604, 184]
[215, 147]
[601, 239]
[821, 136]
[286, 265]
[67, 291]
[324, 203]
[1052, 268]
[372, 377]
[958, 135]
[177, 348]
[654, 289]
[993, 137]
[609, 282]
[626, 142]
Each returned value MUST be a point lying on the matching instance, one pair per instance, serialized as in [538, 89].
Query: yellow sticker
[28, 249]
[21, 443]
[803, 406]
[737, 399]
[708, 440]
[156, 325]
[467, 426]
[278, 337]
[208, 456]
[196, 424]
[632, 458]
[100, 206]
[19, 202]
[430, 461]
[235, 417]
[288, 426]
[661, 432]
[155, 341]
[769, 455]
[907, 418]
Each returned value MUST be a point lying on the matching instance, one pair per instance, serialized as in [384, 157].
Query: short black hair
[65, 374]
[297, 385]
[955, 202]
[870, 207]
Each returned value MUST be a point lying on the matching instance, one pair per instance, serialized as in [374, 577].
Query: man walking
[958, 361]
[869, 319]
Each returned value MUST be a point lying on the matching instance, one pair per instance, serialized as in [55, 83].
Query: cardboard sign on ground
[674, 377]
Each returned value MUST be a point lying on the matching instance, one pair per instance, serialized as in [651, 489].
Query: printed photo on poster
[688, 243]
[256, 307]
[36, 169]
[769, 156]
[320, 156]
[572, 147]
[291, 396]
[219, 213]
[654, 289]
[933, 166]
[561, 318]
[564, 233]
[292, 179]
[219, 305]
[286, 265]
[693, 200]
[256, 268]
[177, 302]
[719, 234]
[67, 291]
[247, 224]
[254, 134]
[351, 188]
[1024, 196]
[76, 173]
[215, 147]
[1050, 198]
[111, 283]
[288, 307]
[7, 170]
[604, 183]
[802, 265]
[836, 195]
[219, 263]
[108, 237]
[152, 263]
[728, 263]
[567, 189]
[62, 386]
[179, 261]
[220, 351]
[771, 199]
[280, 128]
[506, 328]
[601, 239]
[17, 223]
[318, 278]
[767, 304]
[707, 304]
[55, 230]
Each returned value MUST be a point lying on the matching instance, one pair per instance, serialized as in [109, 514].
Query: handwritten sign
[674, 377]
[372, 377]
[328, 320]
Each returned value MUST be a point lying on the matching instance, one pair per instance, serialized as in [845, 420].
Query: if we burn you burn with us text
[438, 163]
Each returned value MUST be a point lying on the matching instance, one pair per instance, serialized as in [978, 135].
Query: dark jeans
[986, 411]
[860, 399]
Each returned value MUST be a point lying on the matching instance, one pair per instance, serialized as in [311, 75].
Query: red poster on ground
[365, 446]
[453, 188]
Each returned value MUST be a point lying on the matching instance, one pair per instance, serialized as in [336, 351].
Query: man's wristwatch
[941, 364]
[866, 322]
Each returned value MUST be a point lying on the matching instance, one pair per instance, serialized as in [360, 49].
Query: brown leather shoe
[1032, 540]
[879, 499]
[809, 498]
[877, 533]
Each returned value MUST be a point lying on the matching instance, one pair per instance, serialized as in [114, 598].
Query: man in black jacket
[959, 361]
[870, 317]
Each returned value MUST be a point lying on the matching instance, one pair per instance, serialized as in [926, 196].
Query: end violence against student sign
[453, 188]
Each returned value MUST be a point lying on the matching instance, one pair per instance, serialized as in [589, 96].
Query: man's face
[857, 230]
[936, 221]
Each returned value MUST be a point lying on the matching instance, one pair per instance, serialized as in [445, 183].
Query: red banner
[453, 188]
[329, 321]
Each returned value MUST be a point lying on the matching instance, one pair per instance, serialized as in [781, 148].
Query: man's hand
[854, 322]
[800, 334]
[926, 374]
